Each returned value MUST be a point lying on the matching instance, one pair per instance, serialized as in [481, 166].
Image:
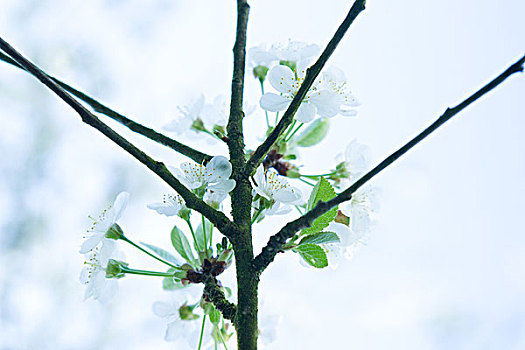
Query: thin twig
[276, 242]
[217, 218]
[197, 156]
[311, 75]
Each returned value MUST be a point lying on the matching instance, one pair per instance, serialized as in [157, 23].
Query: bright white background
[444, 267]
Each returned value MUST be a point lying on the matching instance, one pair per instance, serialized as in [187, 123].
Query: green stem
[125, 239]
[211, 236]
[257, 214]
[202, 331]
[289, 130]
[276, 118]
[306, 182]
[219, 332]
[298, 209]
[317, 176]
[193, 234]
[295, 131]
[204, 233]
[146, 273]
[265, 111]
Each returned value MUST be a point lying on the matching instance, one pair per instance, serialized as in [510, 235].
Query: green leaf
[320, 237]
[181, 245]
[199, 235]
[170, 283]
[322, 191]
[314, 133]
[162, 253]
[215, 315]
[313, 255]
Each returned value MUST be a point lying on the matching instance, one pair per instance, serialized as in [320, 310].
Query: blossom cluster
[279, 185]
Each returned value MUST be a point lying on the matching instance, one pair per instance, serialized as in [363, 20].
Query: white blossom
[176, 326]
[199, 114]
[356, 161]
[276, 189]
[360, 208]
[327, 97]
[214, 177]
[218, 192]
[93, 275]
[189, 328]
[294, 51]
[171, 205]
[215, 113]
[194, 175]
[323, 102]
[107, 219]
[260, 56]
[187, 116]
[291, 51]
[348, 242]
[334, 80]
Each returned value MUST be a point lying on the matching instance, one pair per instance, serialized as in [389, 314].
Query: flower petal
[283, 80]
[219, 169]
[348, 112]
[91, 243]
[162, 309]
[108, 290]
[326, 102]
[288, 195]
[273, 102]
[174, 330]
[224, 186]
[306, 112]
[121, 202]
[194, 109]
[167, 209]
[278, 209]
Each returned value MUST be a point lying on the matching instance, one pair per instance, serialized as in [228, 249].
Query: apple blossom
[318, 101]
[187, 116]
[359, 209]
[275, 189]
[294, 51]
[171, 205]
[93, 275]
[106, 226]
[214, 176]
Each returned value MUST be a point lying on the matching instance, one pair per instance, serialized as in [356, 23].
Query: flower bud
[184, 213]
[260, 72]
[115, 269]
[186, 313]
[291, 64]
[293, 173]
[342, 218]
[114, 232]
[198, 125]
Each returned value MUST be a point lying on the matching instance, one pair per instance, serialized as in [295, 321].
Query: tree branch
[217, 218]
[214, 293]
[277, 241]
[241, 195]
[197, 156]
[311, 75]
[234, 127]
